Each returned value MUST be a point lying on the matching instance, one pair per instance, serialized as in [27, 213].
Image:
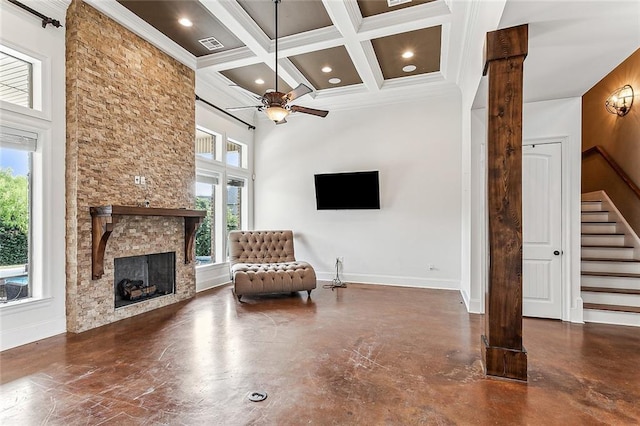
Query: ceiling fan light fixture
[276, 113]
[259, 81]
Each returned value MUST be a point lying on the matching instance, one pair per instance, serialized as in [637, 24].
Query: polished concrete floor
[364, 355]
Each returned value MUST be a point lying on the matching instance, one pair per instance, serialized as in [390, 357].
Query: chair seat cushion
[253, 278]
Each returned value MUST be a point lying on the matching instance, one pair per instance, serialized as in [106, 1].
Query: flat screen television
[347, 191]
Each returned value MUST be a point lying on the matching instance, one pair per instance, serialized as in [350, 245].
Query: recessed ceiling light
[334, 80]
[408, 54]
[259, 81]
[185, 22]
[326, 69]
[409, 68]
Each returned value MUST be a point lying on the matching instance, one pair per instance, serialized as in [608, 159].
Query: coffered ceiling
[572, 45]
[336, 47]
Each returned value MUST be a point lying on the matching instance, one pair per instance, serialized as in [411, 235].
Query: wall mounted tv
[347, 191]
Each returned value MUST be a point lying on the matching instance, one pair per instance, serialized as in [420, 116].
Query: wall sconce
[620, 101]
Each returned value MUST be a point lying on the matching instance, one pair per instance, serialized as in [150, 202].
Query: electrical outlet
[137, 180]
[143, 180]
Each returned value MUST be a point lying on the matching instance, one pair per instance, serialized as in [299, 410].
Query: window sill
[24, 305]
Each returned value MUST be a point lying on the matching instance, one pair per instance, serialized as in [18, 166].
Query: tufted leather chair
[264, 262]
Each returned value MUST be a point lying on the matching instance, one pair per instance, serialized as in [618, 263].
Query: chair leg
[238, 296]
[309, 293]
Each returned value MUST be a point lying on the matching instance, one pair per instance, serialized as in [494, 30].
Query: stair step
[594, 216]
[617, 308]
[610, 266]
[602, 240]
[610, 290]
[612, 317]
[613, 252]
[629, 298]
[591, 205]
[609, 274]
[610, 280]
[599, 227]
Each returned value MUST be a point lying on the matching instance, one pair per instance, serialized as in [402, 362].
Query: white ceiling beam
[238, 21]
[240, 24]
[346, 17]
[405, 20]
[229, 59]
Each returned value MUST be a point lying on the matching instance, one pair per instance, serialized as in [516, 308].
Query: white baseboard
[33, 332]
[209, 277]
[444, 284]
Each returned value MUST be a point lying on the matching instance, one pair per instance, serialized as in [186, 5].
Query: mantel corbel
[104, 218]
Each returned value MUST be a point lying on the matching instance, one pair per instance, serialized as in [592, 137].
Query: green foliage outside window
[14, 218]
[203, 235]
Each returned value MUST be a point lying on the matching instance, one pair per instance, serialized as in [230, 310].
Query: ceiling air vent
[392, 3]
[211, 43]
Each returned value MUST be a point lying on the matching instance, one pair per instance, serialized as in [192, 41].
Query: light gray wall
[416, 148]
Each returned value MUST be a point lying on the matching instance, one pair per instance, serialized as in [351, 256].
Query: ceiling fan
[277, 104]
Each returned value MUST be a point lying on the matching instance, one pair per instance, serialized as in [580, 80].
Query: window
[16, 149]
[235, 203]
[222, 190]
[20, 79]
[205, 236]
[206, 144]
[235, 154]
[15, 81]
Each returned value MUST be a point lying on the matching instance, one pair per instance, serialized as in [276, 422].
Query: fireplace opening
[140, 278]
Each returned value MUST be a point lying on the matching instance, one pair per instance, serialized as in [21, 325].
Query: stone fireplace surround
[130, 111]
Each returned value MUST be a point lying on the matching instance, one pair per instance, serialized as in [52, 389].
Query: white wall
[557, 120]
[416, 148]
[44, 315]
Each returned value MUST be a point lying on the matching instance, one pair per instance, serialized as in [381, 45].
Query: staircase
[610, 265]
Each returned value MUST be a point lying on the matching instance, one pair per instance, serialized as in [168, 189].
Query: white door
[541, 230]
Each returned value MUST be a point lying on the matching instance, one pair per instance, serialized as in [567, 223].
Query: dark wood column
[502, 351]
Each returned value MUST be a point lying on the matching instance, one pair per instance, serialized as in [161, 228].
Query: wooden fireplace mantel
[103, 219]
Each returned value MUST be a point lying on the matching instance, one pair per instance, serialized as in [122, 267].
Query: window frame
[40, 82]
[218, 167]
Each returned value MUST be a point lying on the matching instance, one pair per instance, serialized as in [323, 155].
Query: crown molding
[133, 23]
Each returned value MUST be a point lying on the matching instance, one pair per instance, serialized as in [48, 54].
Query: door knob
[556, 252]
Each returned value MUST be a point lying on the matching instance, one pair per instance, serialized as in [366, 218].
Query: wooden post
[503, 353]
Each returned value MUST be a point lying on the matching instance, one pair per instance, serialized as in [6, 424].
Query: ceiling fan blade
[301, 90]
[244, 107]
[312, 111]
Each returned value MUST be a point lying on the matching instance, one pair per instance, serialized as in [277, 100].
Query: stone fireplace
[130, 112]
